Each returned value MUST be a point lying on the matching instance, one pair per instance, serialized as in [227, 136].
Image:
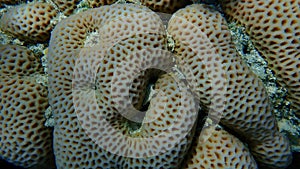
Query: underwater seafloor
[287, 122]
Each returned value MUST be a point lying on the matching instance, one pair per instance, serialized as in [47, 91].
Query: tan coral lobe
[18, 60]
[10, 2]
[203, 42]
[216, 148]
[66, 7]
[24, 140]
[94, 70]
[274, 28]
[29, 22]
[98, 3]
[120, 99]
[167, 6]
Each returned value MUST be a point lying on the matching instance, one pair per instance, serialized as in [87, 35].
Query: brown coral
[24, 140]
[168, 6]
[29, 22]
[274, 28]
[208, 151]
[203, 42]
[98, 3]
[66, 7]
[112, 40]
[10, 2]
[122, 31]
[17, 60]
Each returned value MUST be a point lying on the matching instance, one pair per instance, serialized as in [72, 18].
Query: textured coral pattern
[29, 22]
[10, 2]
[208, 151]
[67, 7]
[126, 30]
[24, 140]
[97, 3]
[246, 111]
[274, 27]
[111, 40]
[168, 6]
[147, 84]
[17, 60]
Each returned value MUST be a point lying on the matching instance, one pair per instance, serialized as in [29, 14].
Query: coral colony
[144, 84]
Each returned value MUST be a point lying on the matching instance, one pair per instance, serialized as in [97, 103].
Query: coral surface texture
[157, 84]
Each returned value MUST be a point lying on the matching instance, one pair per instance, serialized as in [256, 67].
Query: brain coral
[203, 41]
[274, 27]
[96, 55]
[29, 22]
[97, 3]
[168, 6]
[138, 28]
[208, 151]
[24, 140]
[67, 7]
[10, 2]
[17, 60]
